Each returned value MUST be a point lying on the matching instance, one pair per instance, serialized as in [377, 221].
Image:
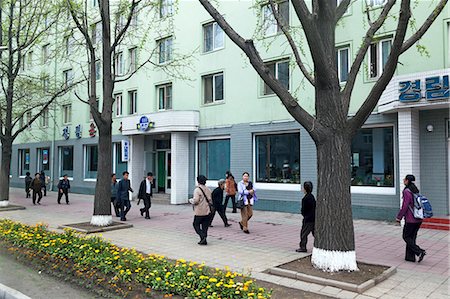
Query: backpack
[422, 207]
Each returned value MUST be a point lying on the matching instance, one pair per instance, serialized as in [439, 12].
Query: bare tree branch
[341, 9]
[123, 30]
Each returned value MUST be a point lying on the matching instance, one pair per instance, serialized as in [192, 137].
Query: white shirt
[148, 189]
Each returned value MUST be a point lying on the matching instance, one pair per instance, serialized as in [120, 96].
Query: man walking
[28, 180]
[43, 182]
[36, 186]
[123, 195]
[217, 198]
[63, 188]
[145, 193]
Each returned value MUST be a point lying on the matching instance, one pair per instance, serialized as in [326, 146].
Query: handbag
[212, 209]
[240, 202]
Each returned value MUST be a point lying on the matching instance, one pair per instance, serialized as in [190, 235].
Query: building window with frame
[45, 53]
[118, 100]
[132, 56]
[96, 33]
[343, 63]
[213, 37]
[45, 83]
[213, 158]
[278, 158]
[91, 162]
[30, 59]
[372, 160]
[28, 117]
[213, 88]
[378, 55]
[68, 78]
[98, 70]
[66, 161]
[69, 44]
[165, 49]
[132, 102]
[67, 114]
[165, 8]
[44, 118]
[43, 155]
[165, 96]
[24, 161]
[269, 22]
[280, 70]
[119, 165]
[119, 64]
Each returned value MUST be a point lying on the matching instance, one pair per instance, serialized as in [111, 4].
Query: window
[270, 25]
[121, 22]
[374, 3]
[132, 102]
[24, 161]
[134, 19]
[378, 56]
[133, 59]
[98, 70]
[43, 162]
[45, 83]
[97, 33]
[69, 43]
[165, 49]
[44, 118]
[45, 53]
[67, 114]
[119, 64]
[68, 78]
[342, 61]
[280, 69]
[119, 166]
[165, 8]
[28, 116]
[118, 99]
[66, 161]
[212, 88]
[213, 158]
[30, 59]
[212, 37]
[278, 158]
[373, 157]
[91, 162]
[165, 96]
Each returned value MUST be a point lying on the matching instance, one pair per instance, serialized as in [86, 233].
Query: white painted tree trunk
[333, 261]
[101, 220]
[4, 203]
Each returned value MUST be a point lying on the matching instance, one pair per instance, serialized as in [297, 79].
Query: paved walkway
[272, 241]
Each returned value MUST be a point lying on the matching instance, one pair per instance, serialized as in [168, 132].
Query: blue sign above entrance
[144, 124]
[436, 88]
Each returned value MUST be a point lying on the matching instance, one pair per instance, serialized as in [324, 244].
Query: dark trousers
[233, 201]
[39, 194]
[60, 194]
[201, 224]
[409, 235]
[147, 205]
[28, 193]
[116, 206]
[307, 228]
[45, 189]
[221, 211]
[125, 206]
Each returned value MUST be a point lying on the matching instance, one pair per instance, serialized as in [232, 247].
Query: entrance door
[168, 171]
[162, 172]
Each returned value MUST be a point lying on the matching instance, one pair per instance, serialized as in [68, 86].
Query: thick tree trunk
[334, 245]
[102, 201]
[4, 172]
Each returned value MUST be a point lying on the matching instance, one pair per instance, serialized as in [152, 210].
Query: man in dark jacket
[217, 198]
[28, 180]
[145, 193]
[63, 188]
[36, 186]
[122, 194]
[114, 198]
[309, 215]
[44, 186]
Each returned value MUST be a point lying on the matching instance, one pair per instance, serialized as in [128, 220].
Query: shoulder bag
[212, 209]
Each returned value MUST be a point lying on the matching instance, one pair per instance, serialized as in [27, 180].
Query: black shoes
[142, 212]
[227, 225]
[301, 250]
[421, 256]
[246, 231]
[147, 217]
[203, 242]
[123, 219]
[234, 212]
[240, 225]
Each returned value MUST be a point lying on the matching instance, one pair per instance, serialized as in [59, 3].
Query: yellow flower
[212, 280]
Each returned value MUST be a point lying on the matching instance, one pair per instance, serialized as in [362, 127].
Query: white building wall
[136, 162]
[180, 167]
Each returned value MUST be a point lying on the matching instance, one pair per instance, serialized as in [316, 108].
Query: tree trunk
[4, 172]
[102, 200]
[334, 245]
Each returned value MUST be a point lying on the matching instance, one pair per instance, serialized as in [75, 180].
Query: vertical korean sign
[125, 150]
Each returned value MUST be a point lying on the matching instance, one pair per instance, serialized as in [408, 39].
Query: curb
[8, 293]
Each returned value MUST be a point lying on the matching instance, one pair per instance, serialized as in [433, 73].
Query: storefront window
[24, 161]
[214, 158]
[373, 157]
[91, 162]
[43, 159]
[278, 158]
[66, 158]
[119, 166]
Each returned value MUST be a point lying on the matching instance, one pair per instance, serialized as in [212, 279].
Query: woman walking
[247, 192]
[201, 202]
[309, 215]
[230, 190]
[412, 224]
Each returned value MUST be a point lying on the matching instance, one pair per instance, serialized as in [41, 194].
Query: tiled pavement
[272, 241]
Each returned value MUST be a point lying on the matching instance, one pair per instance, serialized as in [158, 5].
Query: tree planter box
[87, 228]
[11, 208]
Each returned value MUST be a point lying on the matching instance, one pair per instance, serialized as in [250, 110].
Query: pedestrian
[230, 190]
[28, 180]
[308, 211]
[219, 207]
[43, 182]
[36, 186]
[63, 188]
[114, 198]
[145, 193]
[201, 202]
[412, 224]
[124, 198]
[247, 192]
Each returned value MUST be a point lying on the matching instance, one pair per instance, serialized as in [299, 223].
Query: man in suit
[145, 193]
[123, 188]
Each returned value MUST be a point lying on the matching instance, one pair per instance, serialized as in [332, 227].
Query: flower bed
[98, 258]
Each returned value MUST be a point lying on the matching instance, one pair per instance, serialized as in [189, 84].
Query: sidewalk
[272, 241]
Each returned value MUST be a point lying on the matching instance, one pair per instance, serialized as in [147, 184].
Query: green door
[161, 172]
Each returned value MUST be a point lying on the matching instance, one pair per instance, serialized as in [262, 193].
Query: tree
[331, 128]
[24, 95]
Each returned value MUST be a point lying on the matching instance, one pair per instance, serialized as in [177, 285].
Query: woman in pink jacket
[412, 224]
